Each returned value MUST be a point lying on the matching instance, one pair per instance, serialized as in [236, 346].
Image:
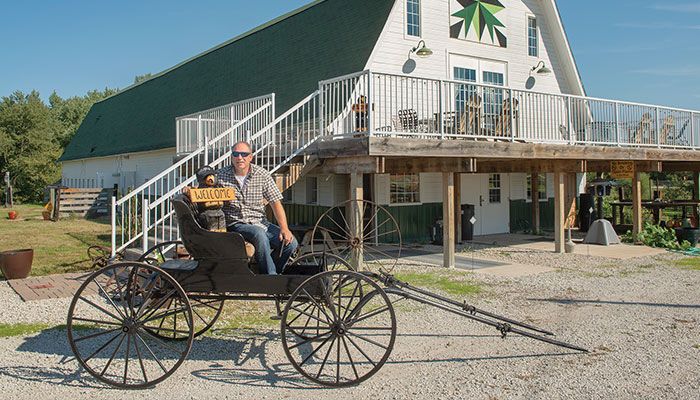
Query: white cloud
[683, 7]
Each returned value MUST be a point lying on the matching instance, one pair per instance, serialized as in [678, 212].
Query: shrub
[656, 236]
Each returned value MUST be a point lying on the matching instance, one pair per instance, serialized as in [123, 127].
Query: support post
[113, 217]
[448, 214]
[535, 195]
[458, 207]
[570, 205]
[636, 205]
[559, 212]
[696, 188]
[354, 217]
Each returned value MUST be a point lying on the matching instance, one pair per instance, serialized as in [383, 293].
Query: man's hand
[286, 236]
[186, 190]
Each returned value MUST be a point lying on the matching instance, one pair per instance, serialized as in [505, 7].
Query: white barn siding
[391, 52]
[127, 170]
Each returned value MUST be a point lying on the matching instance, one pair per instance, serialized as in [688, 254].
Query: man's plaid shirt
[249, 207]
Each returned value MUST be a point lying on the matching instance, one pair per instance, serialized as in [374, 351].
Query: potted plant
[12, 214]
[16, 264]
[687, 232]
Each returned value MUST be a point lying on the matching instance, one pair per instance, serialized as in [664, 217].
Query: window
[463, 92]
[493, 98]
[413, 17]
[532, 47]
[404, 188]
[495, 188]
[311, 190]
[541, 185]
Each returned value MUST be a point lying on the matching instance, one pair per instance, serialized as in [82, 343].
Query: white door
[489, 195]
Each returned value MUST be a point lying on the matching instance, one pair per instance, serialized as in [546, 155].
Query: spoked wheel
[205, 312]
[110, 320]
[356, 328]
[161, 253]
[316, 263]
[374, 244]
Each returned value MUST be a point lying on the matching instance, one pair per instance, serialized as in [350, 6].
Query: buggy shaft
[504, 328]
[391, 281]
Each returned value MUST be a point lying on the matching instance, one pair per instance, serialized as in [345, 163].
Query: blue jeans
[267, 246]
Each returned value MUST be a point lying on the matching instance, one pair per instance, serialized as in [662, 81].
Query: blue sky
[625, 49]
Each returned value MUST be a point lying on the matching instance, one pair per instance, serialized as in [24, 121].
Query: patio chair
[668, 130]
[469, 119]
[407, 120]
[643, 131]
[503, 125]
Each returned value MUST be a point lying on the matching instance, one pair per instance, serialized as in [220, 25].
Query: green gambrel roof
[287, 56]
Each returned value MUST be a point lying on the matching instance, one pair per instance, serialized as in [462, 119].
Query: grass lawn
[58, 246]
[692, 263]
[454, 283]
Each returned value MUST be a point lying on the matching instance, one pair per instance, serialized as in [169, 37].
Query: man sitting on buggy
[254, 186]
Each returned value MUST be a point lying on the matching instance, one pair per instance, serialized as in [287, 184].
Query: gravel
[639, 317]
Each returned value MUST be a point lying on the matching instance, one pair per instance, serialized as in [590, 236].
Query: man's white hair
[250, 148]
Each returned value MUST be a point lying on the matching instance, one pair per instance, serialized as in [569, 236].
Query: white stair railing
[146, 213]
[288, 135]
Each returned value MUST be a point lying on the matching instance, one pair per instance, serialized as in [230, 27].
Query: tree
[141, 78]
[28, 149]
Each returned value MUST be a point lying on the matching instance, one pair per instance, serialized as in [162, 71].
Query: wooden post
[354, 216]
[448, 215]
[570, 205]
[535, 195]
[696, 188]
[636, 205]
[458, 207]
[559, 212]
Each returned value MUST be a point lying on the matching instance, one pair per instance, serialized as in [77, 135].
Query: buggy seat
[207, 245]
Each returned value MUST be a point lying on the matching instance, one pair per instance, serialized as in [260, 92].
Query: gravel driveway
[639, 317]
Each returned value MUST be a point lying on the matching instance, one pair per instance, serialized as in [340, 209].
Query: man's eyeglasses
[236, 154]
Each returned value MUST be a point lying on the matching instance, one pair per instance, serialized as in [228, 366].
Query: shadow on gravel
[617, 303]
[59, 376]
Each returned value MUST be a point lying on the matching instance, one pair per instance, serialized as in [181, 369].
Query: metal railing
[195, 130]
[145, 216]
[288, 135]
[399, 105]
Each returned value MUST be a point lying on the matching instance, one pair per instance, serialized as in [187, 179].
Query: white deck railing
[398, 105]
[145, 216]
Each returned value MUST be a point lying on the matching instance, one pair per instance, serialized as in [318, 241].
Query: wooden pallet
[91, 203]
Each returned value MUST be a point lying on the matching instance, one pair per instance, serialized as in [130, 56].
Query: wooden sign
[622, 169]
[212, 194]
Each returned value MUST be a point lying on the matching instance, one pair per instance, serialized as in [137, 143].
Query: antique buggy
[132, 324]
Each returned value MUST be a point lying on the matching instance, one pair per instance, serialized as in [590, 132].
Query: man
[246, 214]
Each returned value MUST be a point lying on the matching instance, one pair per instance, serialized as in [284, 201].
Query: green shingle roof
[287, 56]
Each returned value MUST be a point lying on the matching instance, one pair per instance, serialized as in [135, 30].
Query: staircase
[145, 216]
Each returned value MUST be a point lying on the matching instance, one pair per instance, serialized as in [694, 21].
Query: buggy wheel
[161, 253]
[316, 262]
[356, 328]
[109, 320]
[373, 245]
[205, 312]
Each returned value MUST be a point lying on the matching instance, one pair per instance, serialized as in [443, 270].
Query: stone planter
[16, 264]
[690, 234]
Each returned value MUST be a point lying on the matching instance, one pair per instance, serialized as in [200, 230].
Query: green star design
[480, 15]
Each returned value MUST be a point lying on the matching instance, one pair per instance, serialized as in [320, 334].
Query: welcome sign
[212, 194]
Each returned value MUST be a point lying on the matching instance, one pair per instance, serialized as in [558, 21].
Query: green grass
[9, 330]
[58, 246]
[452, 283]
[690, 263]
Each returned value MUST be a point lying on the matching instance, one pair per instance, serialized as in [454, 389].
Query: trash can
[467, 226]
[436, 232]
[585, 217]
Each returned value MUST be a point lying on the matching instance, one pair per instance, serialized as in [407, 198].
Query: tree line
[34, 133]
